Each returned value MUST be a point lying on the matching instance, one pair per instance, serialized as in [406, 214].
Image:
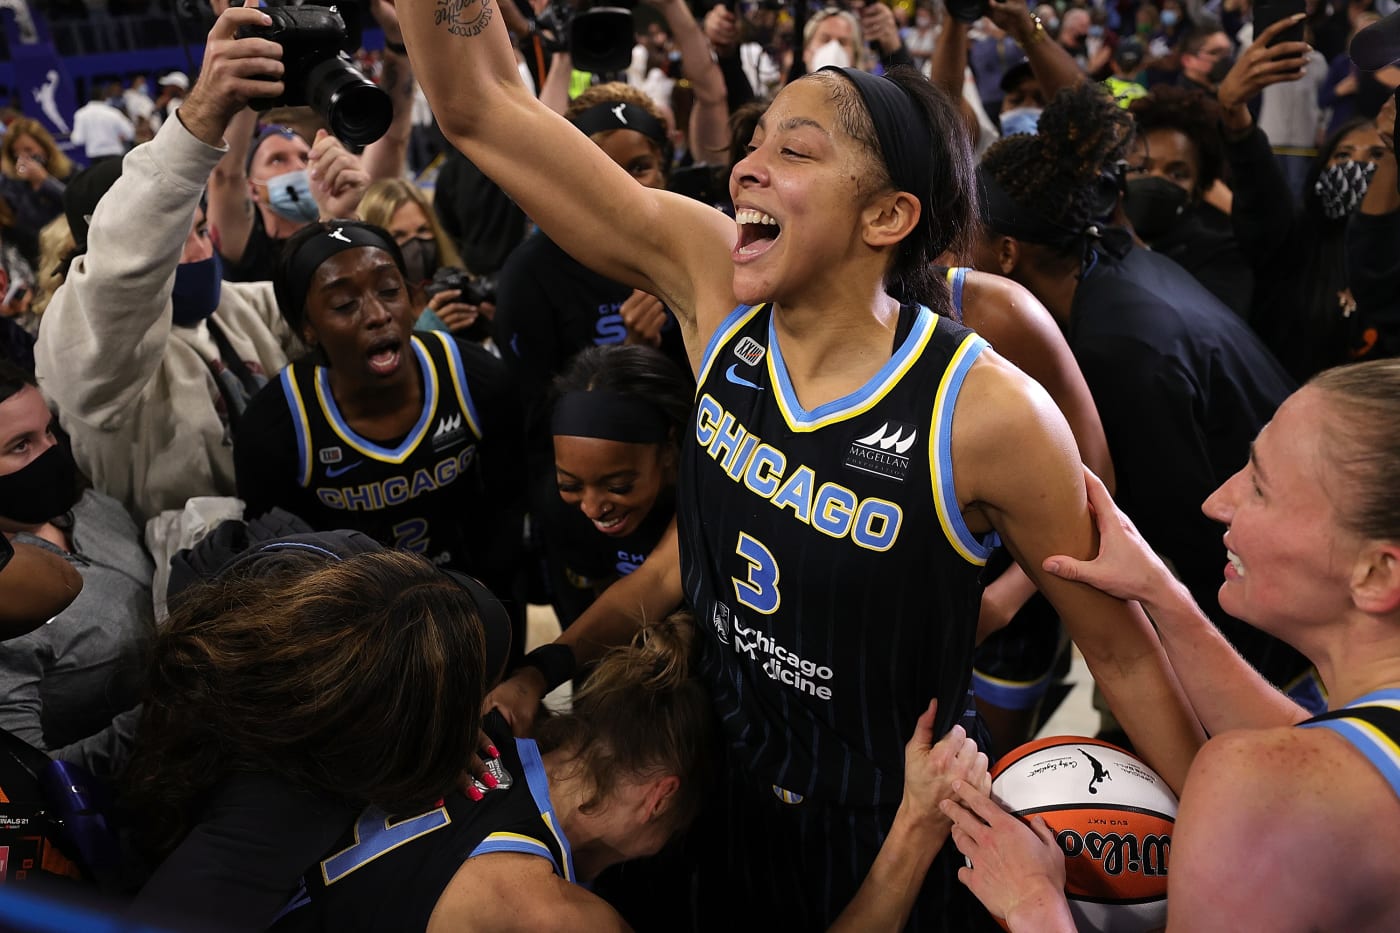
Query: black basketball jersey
[418, 494]
[826, 558]
[1372, 725]
[387, 873]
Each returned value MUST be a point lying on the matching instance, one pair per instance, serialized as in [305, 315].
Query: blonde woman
[33, 173]
[400, 208]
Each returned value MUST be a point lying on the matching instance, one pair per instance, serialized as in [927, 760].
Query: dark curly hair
[1059, 172]
[632, 370]
[1194, 115]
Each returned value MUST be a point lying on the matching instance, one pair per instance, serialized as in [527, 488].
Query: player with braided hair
[1181, 384]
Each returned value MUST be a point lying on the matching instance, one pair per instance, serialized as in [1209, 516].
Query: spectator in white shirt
[101, 129]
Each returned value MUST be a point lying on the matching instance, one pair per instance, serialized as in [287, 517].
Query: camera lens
[357, 111]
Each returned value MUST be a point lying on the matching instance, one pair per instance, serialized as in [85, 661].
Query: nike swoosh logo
[739, 380]
[333, 472]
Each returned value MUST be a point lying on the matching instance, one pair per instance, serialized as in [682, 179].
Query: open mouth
[757, 232]
[1235, 562]
[385, 355]
[610, 525]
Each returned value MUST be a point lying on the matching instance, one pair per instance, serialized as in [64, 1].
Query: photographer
[146, 356]
[273, 182]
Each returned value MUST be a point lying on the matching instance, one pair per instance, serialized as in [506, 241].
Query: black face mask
[1154, 205]
[42, 489]
[1220, 69]
[420, 259]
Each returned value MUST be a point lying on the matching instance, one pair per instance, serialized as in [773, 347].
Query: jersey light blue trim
[539, 789]
[299, 423]
[721, 337]
[459, 381]
[859, 400]
[966, 355]
[1366, 740]
[957, 278]
[1010, 694]
[415, 435]
[522, 845]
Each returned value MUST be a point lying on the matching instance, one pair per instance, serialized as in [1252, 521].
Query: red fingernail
[488, 779]
[491, 750]
[473, 793]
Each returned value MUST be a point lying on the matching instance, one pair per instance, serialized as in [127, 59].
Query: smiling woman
[877, 430]
[413, 439]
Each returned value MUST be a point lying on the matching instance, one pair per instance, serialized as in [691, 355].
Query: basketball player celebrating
[1313, 531]
[834, 512]
[413, 439]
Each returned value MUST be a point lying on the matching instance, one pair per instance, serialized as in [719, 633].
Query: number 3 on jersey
[760, 591]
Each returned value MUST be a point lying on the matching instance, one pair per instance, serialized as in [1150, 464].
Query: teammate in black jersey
[413, 438]
[1312, 524]
[852, 455]
[618, 416]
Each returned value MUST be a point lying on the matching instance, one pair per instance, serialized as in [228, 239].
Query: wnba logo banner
[45, 90]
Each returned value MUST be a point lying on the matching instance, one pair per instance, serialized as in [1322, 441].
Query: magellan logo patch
[449, 431]
[885, 451]
[750, 351]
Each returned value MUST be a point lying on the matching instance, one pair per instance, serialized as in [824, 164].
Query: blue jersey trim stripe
[459, 382]
[1379, 748]
[539, 789]
[1010, 694]
[415, 435]
[957, 278]
[945, 496]
[858, 402]
[515, 842]
[721, 337]
[300, 423]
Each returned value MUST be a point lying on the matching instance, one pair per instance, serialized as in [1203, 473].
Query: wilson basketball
[1112, 816]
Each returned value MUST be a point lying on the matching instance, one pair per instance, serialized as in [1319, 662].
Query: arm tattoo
[463, 17]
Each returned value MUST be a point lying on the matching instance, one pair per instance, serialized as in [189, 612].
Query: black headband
[902, 129]
[314, 250]
[610, 416]
[1004, 216]
[619, 115]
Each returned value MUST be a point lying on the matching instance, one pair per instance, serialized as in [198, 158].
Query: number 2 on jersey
[760, 591]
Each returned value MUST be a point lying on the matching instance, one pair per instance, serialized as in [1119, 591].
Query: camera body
[599, 38]
[318, 74]
[475, 290]
[967, 11]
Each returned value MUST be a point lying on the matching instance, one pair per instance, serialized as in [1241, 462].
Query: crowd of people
[828, 370]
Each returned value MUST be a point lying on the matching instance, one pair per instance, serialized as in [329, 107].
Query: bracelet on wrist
[555, 662]
[1038, 33]
[398, 48]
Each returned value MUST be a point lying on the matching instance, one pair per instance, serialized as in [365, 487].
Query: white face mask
[833, 53]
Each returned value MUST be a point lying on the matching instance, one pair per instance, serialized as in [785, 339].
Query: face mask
[1341, 187]
[1052, 24]
[1168, 18]
[833, 53]
[198, 287]
[289, 196]
[1220, 69]
[42, 489]
[420, 259]
[1020, 120]
[1154, 205]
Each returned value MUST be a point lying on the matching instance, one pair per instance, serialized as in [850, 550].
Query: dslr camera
[319, 74]
[474, 289]
[599, 38]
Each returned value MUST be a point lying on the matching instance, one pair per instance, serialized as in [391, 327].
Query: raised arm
[662, 243]
[106, 328]
[709, 117]
[1050, 63]
[1036, 502]
[387, 156]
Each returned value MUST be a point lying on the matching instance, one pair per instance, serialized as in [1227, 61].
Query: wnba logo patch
[329, 455]
[720, 620]
[750, 351]
[885, 451]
